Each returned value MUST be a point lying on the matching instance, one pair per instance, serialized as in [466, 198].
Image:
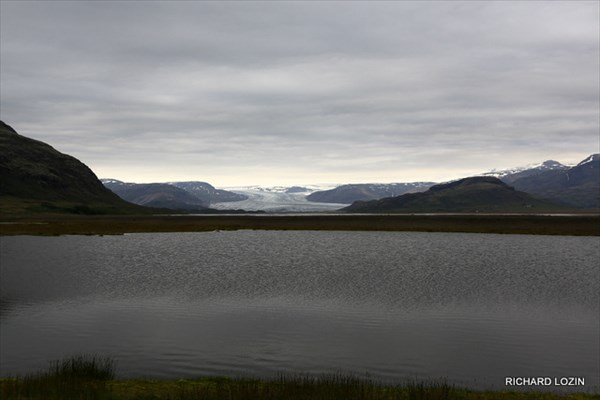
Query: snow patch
[591, 158]
[112, 181]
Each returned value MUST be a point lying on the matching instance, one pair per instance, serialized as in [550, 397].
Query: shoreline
[539, 224]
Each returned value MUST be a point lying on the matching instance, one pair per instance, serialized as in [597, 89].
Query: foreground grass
[79, 377]
[90, 377]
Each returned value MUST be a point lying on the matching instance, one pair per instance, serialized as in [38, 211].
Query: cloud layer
[303, 92]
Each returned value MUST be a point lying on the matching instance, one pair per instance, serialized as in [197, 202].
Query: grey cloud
[309, 88]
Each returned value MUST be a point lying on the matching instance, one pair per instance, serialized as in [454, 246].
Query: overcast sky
[237, 93]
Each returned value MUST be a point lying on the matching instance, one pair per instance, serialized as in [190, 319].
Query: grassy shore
[583, 225]
[90, 377]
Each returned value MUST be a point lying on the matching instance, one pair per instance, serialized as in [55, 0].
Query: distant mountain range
[208, 193]
[573, 186]
[577, 186]
[192, 196]
[34, 177]
[474, 194]
[347, 194]
[160, 195]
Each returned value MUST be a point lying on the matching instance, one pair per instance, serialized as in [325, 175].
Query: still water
[472, 309]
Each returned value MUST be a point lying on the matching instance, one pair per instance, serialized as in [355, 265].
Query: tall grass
[80, 377]
[83, 367]
[304, 387]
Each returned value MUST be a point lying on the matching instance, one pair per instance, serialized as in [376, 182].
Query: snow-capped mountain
[367, 191]
[590, 159]
[512, 174]
[578, 186]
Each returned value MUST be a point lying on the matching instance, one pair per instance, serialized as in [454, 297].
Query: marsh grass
[89, 377]
[78, 377]
[326, 387]
[285, 387]
[84, 367]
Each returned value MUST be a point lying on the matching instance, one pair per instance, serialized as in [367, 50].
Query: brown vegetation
[582, 225]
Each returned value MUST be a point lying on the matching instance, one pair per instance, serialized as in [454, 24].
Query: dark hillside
[36, 177]
[474, 194]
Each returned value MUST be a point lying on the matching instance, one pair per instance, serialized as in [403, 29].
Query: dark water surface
[470, 308]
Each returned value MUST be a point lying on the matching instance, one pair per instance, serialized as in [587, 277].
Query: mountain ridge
[366, 191]
[578, 186]
[207, 192]
[161, 195]
[509, 175]
[190, 195]
[471, 194]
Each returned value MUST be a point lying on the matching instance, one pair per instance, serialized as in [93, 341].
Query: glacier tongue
[275, 199]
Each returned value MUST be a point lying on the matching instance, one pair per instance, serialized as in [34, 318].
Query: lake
[472, 309]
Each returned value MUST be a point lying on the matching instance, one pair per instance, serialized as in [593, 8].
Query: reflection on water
[471, 308]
